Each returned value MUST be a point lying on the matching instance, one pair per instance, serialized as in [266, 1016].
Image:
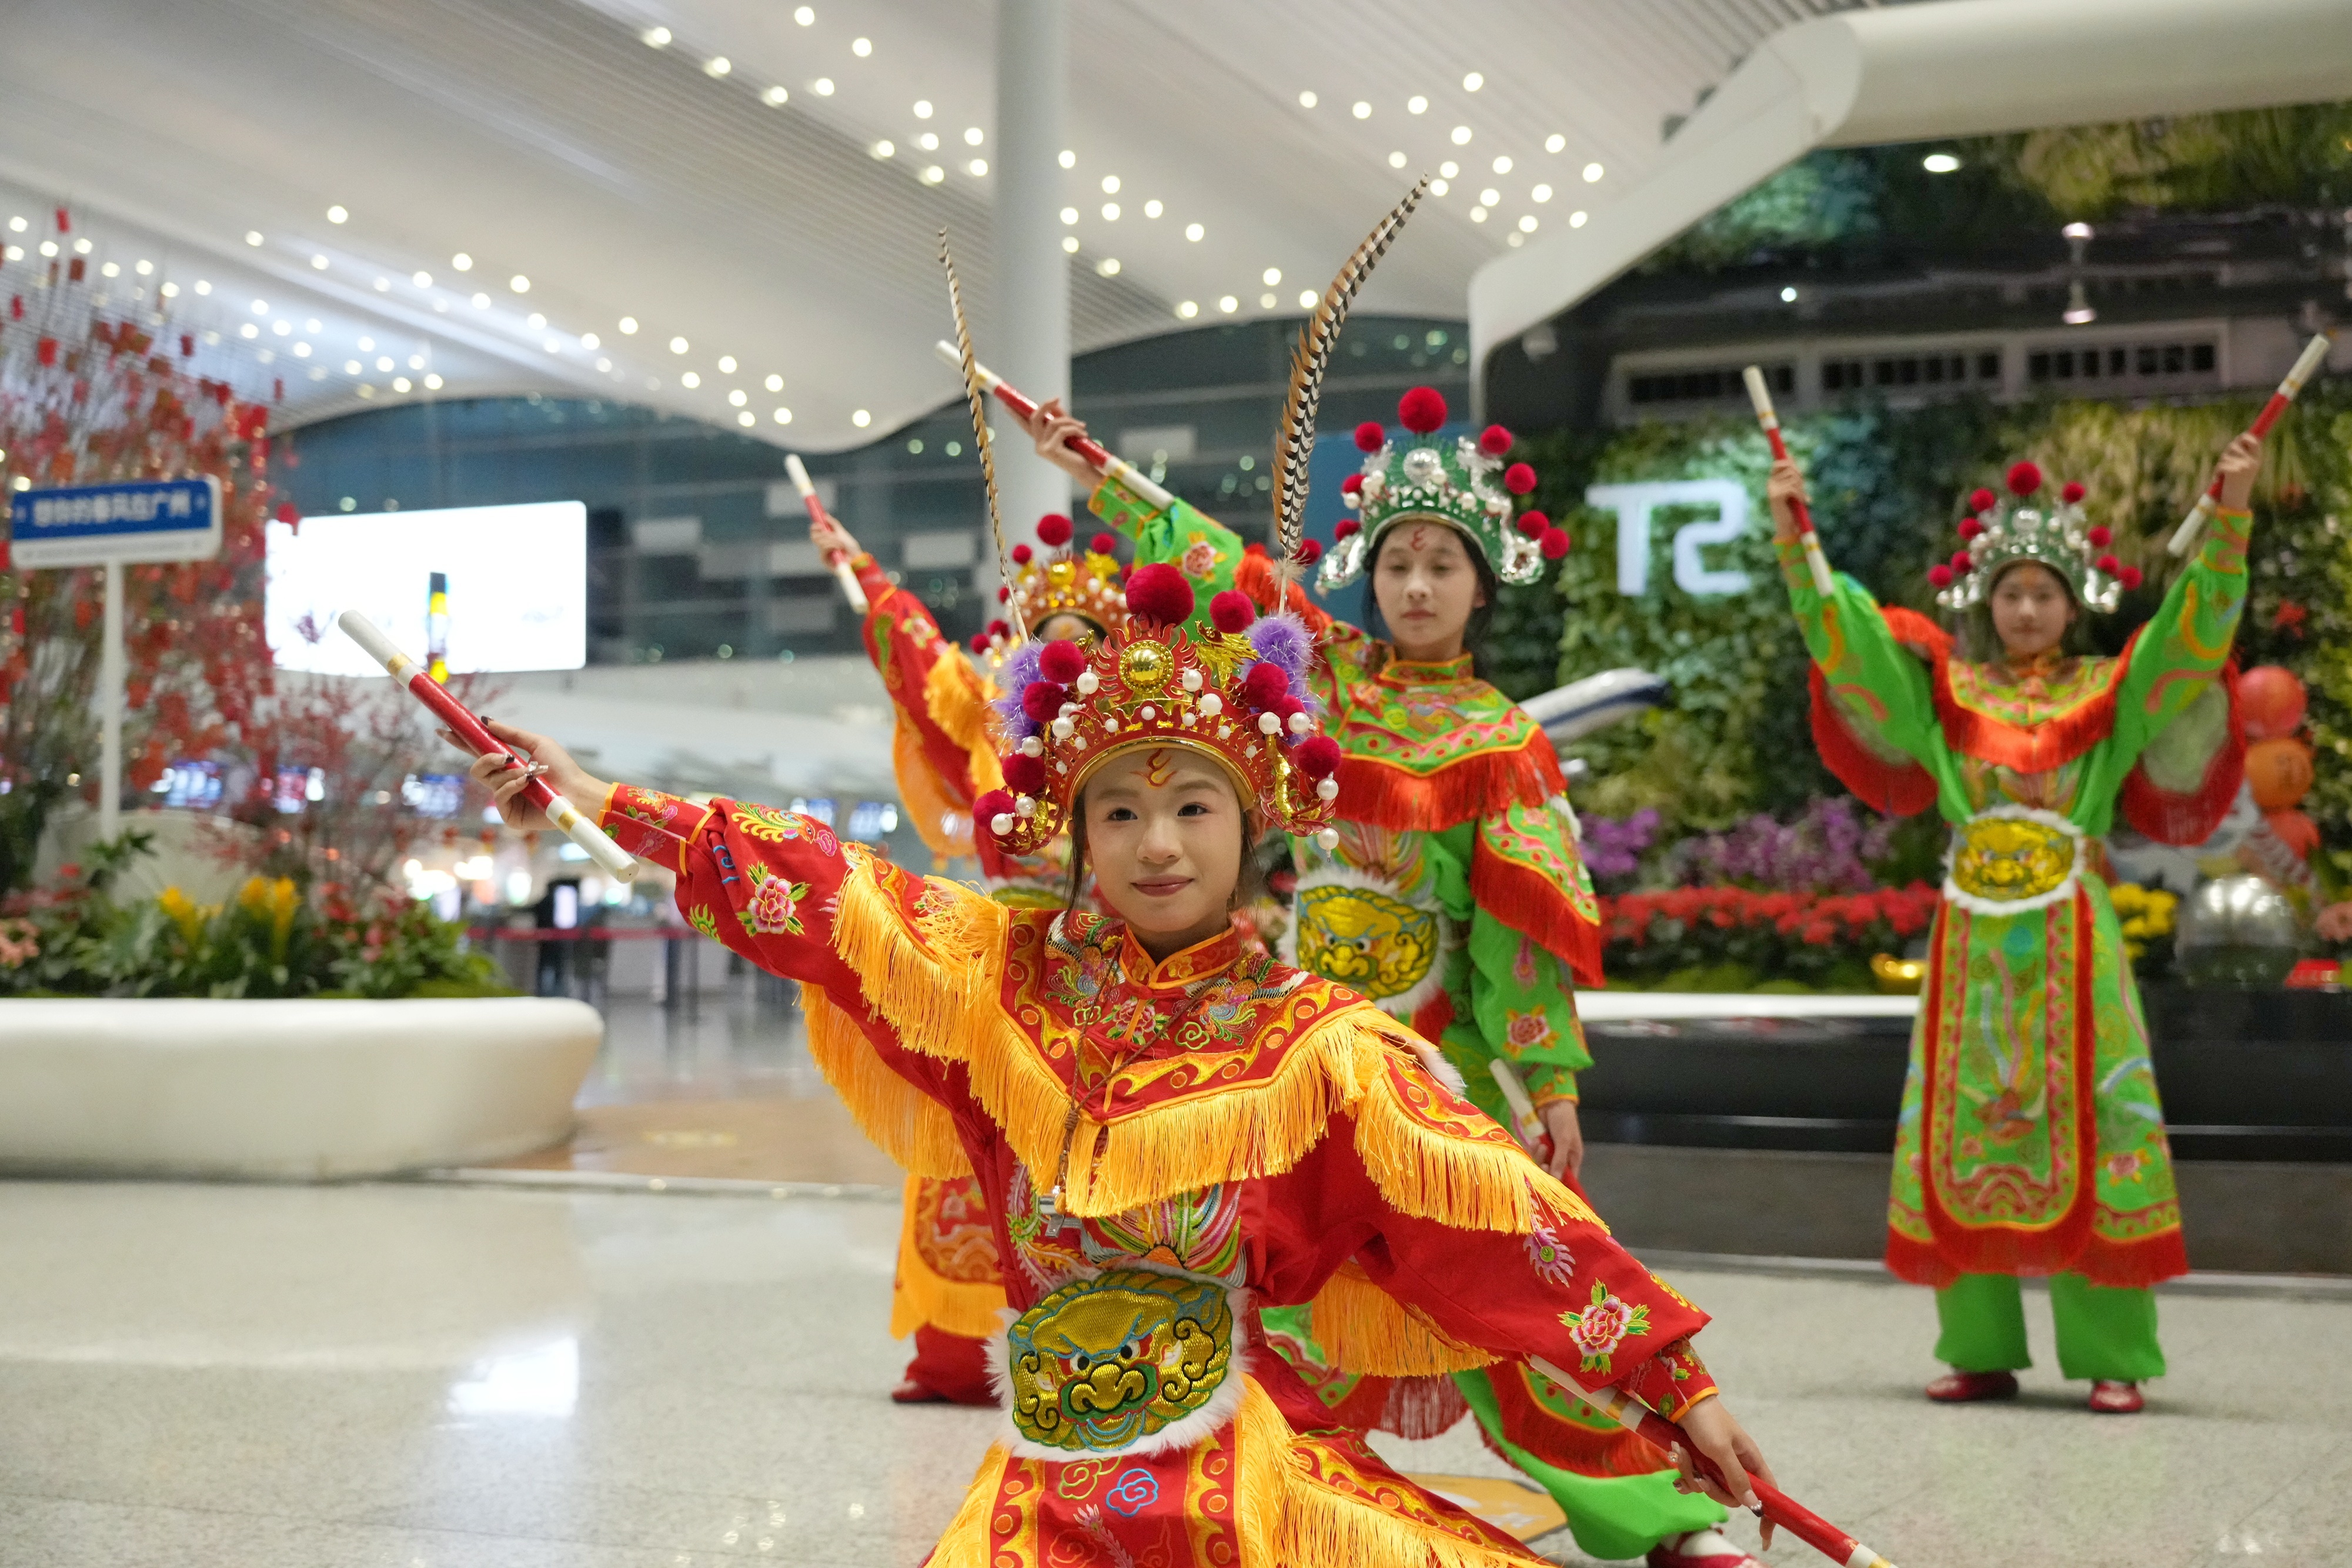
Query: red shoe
[1968, 1388]
[2108, 1398]
[913, 1393]
[1677, 1551]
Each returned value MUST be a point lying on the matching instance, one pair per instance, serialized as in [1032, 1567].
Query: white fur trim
[1197, 1427]
[1976, 903]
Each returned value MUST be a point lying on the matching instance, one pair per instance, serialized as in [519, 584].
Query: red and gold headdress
[1062, 581]
[1233, 687]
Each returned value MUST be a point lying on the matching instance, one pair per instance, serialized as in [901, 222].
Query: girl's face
[2031, 610]
[1165, 835]
[1426, 587]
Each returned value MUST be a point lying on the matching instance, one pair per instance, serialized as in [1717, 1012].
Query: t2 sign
[1635, 503]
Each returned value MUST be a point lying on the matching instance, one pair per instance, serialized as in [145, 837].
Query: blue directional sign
[89, 525]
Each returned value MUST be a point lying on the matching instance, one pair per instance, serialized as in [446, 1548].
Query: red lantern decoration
[2279, 771]
[2270, 702]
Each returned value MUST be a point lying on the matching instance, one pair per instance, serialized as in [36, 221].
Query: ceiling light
[422, 280]
[1527, 224]
[1447, 169]
[415, 362]
[1110, 212]
[281, 327]
[1438, 187]
[590, 341]
[433, 382]
[884, 148]
[655, 37]
[922, 109]
[381, 284]
[1477, 215]
[1940, 164]
[1152, 209]
[1555, 141]
[1491, 197]
[1591, 173]
[1540, 194]
[689, 380]
[860, 418]
[1461, 135]
[805, 17]
[367, 345]
[979, 167]
[111, 270]
[1576, 220]
[679, 345]
[1267, 301]
[352, 367]
[1273, 275]
[727, 364]
[318, 262]
[1307, 299]
[1307, 100]
[338, 214]
[1396, 160]
[774, 383]
[718, 65]
[603, 364]
[747, 419]
[738, 397]
[1069, 214]
[400, 383]
[928, 143]
[1416, 104]
[261, 307]
[861, 47]
[628, 325]
[1472, 82]
[1068, 160]
[301, 350]
[252, 237]
[312, 324]
[248, 330]
[1228, 304]
[535, 321]
[81, 247]
[1187, 308]
[462, 262]
[1514, 239]
[1360, 109]
[169, 291]
[383, 362]
[1502, 165]
[1108, 266]
[784, 416]
[934, 174]
[1789, 295]
[1070, 244]
[973, 136]
[823, 86]
[1110, 184]
[1194, 232]
[16, 225]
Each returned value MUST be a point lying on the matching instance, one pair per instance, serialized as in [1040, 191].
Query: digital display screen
[518, 586]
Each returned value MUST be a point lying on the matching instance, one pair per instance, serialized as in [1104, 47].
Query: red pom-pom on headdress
[1970, 528]
[1005, 596]
[1232, 610]
[1042, 700]
[1493, 441]
[1422, 410]
[1940, 575]
[988, 807]
[2024, 478]
[2073, 493]
[980, 642]
[1318, 757]
[1982, 500]
[1962, 562]
[1053, 531]
[1023, 555]
[2100, 536]
[1310, 551]
[2110, 565]
[1533, 524]
[1554, 543]
[1024, 774]
[1061, 661]
[1000, 628]
[1352, 485]
[2129, 577]
[1265, 684]
[1370, 436]
[1102, 544]
[1519, 478]
[1159, 593]
[1346, 528]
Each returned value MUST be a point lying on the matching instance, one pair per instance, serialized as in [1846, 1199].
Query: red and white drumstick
[2306, 365]
[836, 559]
[1772, 1503]
[566, 817]
[1093, 451]
[1761, 396]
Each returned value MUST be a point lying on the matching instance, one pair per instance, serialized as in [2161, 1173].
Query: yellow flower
[183, 913]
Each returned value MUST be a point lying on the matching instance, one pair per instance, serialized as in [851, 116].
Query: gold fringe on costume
[956, 698]
[938, 987]
[966, 1543]
[907, 1124]
[921, 1297]
[1365, 1330]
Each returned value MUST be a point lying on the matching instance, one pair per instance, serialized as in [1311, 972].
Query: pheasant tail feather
[978, 397]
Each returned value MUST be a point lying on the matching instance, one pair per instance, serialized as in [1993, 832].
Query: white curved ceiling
[546, 139]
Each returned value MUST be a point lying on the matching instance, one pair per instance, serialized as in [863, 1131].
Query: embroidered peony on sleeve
[939, 745]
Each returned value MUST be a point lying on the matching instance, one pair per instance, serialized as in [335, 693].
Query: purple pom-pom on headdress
[1013, 678]
[1284, 642]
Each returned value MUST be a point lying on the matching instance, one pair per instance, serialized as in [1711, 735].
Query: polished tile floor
[442, 1377]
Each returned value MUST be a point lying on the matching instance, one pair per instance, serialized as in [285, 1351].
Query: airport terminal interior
[1083, 784]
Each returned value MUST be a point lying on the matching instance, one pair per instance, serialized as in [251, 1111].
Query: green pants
[1611, 1517]
[2105, 1334]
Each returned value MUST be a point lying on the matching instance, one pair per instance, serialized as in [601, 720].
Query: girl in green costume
[1455, 897]
[2031, 1140]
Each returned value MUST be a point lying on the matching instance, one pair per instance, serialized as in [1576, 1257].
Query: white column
[1032, 346]
[109, 709]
